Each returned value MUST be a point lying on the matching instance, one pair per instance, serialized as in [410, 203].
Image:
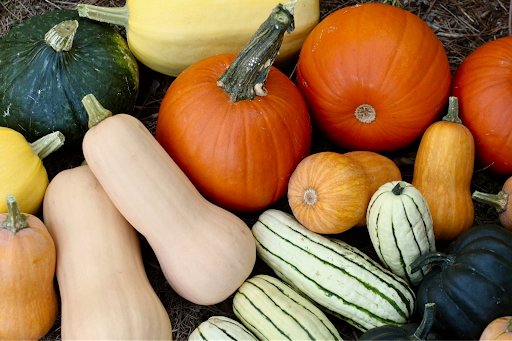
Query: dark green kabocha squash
[43, 80]
[409, 331]
[471, 284]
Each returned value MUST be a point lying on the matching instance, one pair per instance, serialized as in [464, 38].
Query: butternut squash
[105, 293]
[205, 252]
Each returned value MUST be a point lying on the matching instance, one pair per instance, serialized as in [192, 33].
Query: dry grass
[461, 25]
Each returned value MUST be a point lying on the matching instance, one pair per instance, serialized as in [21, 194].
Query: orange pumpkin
[498, 330]
[28, 303]
[237, 149]
[374, 77]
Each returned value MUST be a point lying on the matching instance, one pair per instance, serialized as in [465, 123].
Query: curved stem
[435, 258]
[111, 15]
[15, 220]
[498, 201]
[60, 37]
[248, 72]
[509, 328]
[429, 315]
[453, 111]
[47, 144]
[95, 110]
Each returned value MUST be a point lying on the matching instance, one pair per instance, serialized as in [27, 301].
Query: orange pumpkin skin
[373, 57]
[442, 173]
[238, 155]
[28, 303]
[499, 329]
[482, 84]
[328, 193]
[379, 170]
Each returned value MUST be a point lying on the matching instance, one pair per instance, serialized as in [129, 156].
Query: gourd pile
[234, 139]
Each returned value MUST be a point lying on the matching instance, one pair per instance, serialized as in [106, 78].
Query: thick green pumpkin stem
[498, 201]
[60, 37]
[429, 315]
[399, 188]
[47, 144]
[453, 111]
[432, 258]
[15, 220]
[248, 72]
[96, 111]
[111, 15]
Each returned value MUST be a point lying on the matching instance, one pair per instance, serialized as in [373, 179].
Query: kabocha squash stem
[246, 75]
[47, 144]
[60, 37]
[426, 323]
[111, 15]
[15, 221]
[498, 201]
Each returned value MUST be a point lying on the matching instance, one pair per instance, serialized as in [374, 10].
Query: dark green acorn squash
[41, 88]
[471, 284]
[409, 331]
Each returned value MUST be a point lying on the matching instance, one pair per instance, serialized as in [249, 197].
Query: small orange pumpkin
[28, 303]
[499, 329]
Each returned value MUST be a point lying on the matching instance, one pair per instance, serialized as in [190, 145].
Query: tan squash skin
[28, 300]
[379, 170]
[205, 252]
[442, 173]
[498, 330]
[105, 293]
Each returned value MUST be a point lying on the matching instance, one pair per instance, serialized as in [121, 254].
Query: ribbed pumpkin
[374, 77]
[482, 84]
[237, 149]
[400, 228]
[498, 330]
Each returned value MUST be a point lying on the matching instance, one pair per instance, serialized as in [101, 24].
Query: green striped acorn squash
[221, 328]
[400, 227]
[338, 277]
[41, 86]
[272, 310]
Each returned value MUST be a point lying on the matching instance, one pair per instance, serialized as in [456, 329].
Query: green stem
[95, 110]
[498, 201]
[60, 37]
[435, 258]
[509, 328]
[47, 144]
[429, 315]
[15, 220]
[399, 188]
[453, 111]
[248, 72]
[111, 15]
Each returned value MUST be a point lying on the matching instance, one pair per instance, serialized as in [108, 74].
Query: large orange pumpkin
[238, 152]
[374, 77]
[483, 84]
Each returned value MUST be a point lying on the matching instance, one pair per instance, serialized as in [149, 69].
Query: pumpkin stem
[111, 15]
[399, 188]
[47, 144]
[365, 113]
[310, 196]
[246, 75]
[498, 201]
[509, 328]
[15, 220]
[453, 111]
[429, 315]
[60, 37]
[95, 110]
[435, 258]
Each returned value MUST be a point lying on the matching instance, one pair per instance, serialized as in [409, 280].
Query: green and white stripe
[400, 227]
[272, 310]
[338, 277]
[221, 328]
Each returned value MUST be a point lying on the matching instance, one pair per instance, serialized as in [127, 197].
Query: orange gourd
[329, 192]
[498, 330]
[28, 303]
[374, 77]
[501, 202]
[442, 173]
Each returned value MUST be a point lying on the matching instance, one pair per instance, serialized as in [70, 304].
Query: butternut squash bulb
[169, 36]
[22, 172]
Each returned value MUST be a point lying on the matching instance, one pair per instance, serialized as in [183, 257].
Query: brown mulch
[461, 25]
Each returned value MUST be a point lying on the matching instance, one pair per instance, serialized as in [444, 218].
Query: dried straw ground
[461, 25]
